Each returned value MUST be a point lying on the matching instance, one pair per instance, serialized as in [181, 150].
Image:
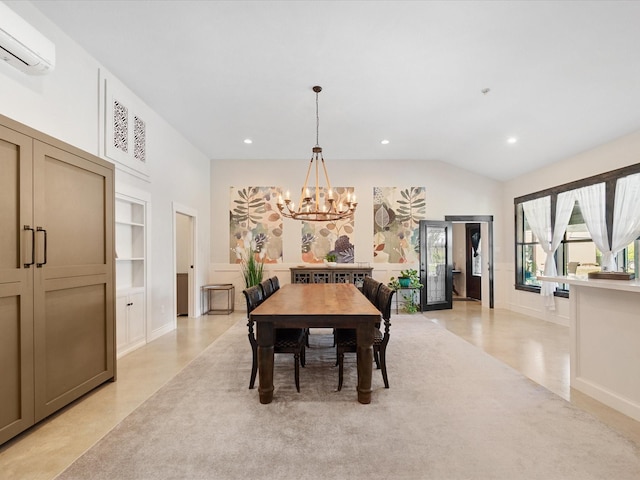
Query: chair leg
[376, 358]
[254, 369]
[340, 369]
[297, 371]
[383, 363]
[303, 356]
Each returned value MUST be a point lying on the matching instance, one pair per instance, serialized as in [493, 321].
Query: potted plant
[408, 279]
[252, 269]
[331, 259]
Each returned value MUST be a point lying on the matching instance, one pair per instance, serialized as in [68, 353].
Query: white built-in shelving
[131, 258]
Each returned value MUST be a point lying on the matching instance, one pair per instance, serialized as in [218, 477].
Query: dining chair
[346, 339]
[267, 288]
[287, 340]
[370, 289]
[275, 283]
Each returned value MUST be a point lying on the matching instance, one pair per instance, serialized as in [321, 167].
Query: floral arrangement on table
[409, 279]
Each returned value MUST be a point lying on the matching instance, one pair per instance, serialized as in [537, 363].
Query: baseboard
[161, 331]
[622, 404]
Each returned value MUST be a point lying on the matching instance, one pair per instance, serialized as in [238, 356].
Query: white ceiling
[564, 76]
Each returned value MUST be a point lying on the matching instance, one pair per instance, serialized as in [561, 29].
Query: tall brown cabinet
[57, 324]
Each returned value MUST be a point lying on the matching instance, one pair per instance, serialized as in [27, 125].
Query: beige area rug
[452, 412]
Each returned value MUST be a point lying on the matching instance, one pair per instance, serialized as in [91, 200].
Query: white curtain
[538, 214]
[592, 205]
[626, 213]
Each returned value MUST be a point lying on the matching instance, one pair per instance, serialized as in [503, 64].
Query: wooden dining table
[333, 305]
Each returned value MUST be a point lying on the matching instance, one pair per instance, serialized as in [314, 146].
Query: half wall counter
[604, 332]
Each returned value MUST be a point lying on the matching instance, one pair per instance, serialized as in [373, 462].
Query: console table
[337, 274]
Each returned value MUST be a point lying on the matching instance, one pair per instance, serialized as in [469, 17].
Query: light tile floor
[47, 449]
[538, 349]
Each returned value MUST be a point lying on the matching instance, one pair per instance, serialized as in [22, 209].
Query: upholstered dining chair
[275, 283]
[346, 339]
[287, 340]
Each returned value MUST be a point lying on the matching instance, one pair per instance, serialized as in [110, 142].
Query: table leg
[364, 353]
[266, 338]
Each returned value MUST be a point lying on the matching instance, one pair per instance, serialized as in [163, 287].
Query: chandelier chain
[317, 123]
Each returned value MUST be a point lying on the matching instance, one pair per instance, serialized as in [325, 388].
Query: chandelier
[323, 205]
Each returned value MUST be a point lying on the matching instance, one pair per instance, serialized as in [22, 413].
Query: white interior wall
[449, 190]
[619, 153]
[65, 105]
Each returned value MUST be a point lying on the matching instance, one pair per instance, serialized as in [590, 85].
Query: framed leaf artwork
[255, 222]
[396, 218]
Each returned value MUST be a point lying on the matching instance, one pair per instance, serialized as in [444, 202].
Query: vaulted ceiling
[562, 77]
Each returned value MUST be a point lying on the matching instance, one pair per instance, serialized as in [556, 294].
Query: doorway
[473, 262]
[484, 259]
[184, 241]
[184, 262]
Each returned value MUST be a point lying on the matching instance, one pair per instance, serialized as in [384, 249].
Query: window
[577, 253]
[577, 247]
[529, 252]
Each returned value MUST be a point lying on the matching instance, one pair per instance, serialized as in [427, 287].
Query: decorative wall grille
[139, 139]
[120, 126]
[124, 127]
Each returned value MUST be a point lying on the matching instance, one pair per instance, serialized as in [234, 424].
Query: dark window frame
[608, 178]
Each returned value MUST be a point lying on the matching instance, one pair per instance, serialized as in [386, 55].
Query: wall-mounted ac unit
[23, 46]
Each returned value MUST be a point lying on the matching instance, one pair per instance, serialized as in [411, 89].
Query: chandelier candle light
[310, 208]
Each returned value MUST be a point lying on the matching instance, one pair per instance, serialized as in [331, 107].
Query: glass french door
[436, 264]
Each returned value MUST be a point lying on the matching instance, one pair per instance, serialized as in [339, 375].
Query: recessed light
[512, 140]
[248, 140]
[384, 142]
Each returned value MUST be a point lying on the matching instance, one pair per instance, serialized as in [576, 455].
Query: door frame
[193, 294]
[488, 219]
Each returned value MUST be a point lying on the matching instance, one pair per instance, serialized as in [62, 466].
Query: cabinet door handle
[33, 246]
[129, 304]
[40, 229]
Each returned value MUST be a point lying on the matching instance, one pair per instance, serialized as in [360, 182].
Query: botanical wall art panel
[255, 224]
[321, 238]
[396, 216]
